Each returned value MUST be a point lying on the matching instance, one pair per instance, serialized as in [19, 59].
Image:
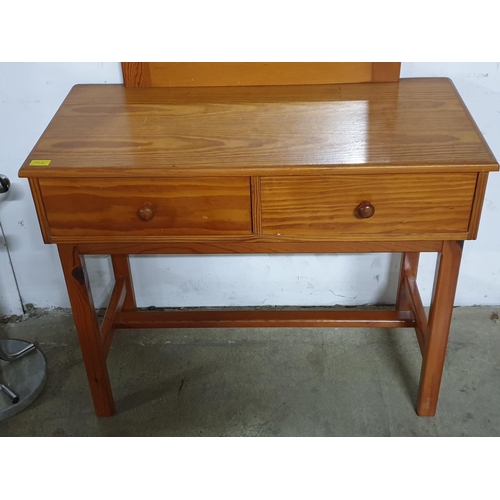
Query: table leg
[439, 327]
[121, 267]
[87, 327]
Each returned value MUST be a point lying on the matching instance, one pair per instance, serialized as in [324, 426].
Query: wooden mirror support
[157, 74]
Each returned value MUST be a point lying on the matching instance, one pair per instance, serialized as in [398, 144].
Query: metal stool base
[25, 376]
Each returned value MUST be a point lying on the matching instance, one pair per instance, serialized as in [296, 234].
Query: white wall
[30, 95]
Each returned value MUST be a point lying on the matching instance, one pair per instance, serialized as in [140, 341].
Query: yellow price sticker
[40, 163]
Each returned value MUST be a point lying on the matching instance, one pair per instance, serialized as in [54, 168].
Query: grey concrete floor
[264, 382]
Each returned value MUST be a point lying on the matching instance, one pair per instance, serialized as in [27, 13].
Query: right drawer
[380, 206]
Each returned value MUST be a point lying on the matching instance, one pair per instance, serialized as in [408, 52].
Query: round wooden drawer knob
[146, 212]
[365, 210]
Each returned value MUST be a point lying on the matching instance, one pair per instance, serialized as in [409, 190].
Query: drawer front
[126, 208]
[328, 207]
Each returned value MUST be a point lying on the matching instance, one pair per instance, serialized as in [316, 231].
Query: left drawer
[108, 209]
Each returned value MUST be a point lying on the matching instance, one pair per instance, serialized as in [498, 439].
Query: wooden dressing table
[200, 158]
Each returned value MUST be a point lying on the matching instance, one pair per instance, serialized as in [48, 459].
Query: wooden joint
[112, 312]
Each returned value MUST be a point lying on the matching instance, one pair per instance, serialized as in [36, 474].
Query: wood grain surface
[199, 207]
[440, 315]
[325, 206]
[323, 168]
[121, 269]
[482, 180]
[262, 318]
[257, 245]
[83, 308]
[196, 74]
[108, 130]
